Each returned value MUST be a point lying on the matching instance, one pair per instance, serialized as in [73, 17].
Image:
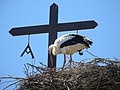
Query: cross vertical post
[52, 32]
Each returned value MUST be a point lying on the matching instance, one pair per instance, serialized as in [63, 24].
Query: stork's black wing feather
[75, 40]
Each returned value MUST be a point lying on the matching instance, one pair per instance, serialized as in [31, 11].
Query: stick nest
[97, 74]
[88, 74]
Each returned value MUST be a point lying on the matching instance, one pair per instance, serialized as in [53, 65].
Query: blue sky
[19, 13]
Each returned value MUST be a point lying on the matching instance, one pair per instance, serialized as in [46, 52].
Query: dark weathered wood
[52, 28]
[76, 25]
[53, 31]
[60, 27]
[29, 30]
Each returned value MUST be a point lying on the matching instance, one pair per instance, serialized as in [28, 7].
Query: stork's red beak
[51, 58]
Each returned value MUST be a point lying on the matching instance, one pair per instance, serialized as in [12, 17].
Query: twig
[26, 70]
[11, 84]
[38, 69]
[92, 54]
[10, 77]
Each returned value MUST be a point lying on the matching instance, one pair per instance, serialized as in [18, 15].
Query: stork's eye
[49, 51]
[90, 42]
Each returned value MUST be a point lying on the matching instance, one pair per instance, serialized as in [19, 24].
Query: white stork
[69, 44]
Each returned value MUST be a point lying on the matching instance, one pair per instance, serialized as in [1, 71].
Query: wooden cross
[52, 28]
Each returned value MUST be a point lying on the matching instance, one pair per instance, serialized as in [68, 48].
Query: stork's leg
[64, 60]
[70, 58]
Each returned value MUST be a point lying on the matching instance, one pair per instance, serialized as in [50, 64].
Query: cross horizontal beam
[46, 28]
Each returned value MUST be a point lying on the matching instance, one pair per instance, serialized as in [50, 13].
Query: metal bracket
[26, 50]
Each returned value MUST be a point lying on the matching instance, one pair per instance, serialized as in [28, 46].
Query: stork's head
[53, 49]
[88, 41]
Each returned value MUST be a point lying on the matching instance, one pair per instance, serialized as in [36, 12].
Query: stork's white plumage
[69, 44]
